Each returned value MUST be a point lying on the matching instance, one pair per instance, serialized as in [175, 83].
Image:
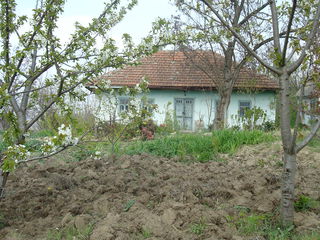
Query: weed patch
[266, 226]
[199, 147]
[229, 141]
[305, 203]
[198, 228]
[71, 233]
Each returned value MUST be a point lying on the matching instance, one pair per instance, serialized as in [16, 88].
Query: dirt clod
[170, 198]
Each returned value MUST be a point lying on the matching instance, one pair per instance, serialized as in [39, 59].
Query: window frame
[241, 109]
[123, 101]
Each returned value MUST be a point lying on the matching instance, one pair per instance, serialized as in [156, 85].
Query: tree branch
[286, 41]
[254, 13]
[240, 39]
[28, 45]
[275, 28]
[313, 133]
[315, 29]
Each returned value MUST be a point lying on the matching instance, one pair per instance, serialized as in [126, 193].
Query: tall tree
[202, 31]
[32, 58]
[287, 56]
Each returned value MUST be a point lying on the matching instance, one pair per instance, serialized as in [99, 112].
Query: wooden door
[184, 112]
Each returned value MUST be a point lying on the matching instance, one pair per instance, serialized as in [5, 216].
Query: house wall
[205, 101]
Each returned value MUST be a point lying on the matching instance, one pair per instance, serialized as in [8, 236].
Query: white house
[178, 86]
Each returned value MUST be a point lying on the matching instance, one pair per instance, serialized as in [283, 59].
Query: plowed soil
[129, 195]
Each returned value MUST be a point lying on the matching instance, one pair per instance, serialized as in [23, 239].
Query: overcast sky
[137, 22]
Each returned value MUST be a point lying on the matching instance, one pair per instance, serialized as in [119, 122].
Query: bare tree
[221, 58]
[287, 56]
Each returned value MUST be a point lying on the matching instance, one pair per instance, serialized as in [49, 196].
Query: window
[123, 104]
[243, 106]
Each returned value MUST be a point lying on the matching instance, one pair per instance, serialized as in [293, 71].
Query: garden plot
[150, 197]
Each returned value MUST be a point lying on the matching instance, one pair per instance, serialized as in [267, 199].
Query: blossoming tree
[32, 58]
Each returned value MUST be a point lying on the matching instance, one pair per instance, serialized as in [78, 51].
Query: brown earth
[170, 197]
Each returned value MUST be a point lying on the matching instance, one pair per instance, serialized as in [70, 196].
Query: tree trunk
[220, 120]
[289, 153]
[288, 186]
[3, 181]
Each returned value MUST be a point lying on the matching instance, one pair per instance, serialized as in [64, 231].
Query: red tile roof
[174, 70]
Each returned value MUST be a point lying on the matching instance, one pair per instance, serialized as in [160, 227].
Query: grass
[71, 233]
[41, 134]
[199, 147]
[305, 203]
[142, 234]
[198, 228]
[229, 141]
[314, 144]
[267, 226]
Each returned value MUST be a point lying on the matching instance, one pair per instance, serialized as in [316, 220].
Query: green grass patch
[198, 228]
[71, 233]
[41, 134]
[199, 147]
[267, 226]
[229, 141]
[305, 203]
[314, 144]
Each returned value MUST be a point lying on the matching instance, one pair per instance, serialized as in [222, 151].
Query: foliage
[128, 205]
[71, 233]
[199, 147]
[170, 124]
[115, 120]
[198, 228]
[293, 52]
[42, 133]
[315, 143]
[305, 203]
[247, 224]
[14, 154]
[228, 141]
[253, 118]
[268, 126]
[266, 226]
[39, 71]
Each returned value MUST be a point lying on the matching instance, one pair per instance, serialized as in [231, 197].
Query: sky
[137, 22]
